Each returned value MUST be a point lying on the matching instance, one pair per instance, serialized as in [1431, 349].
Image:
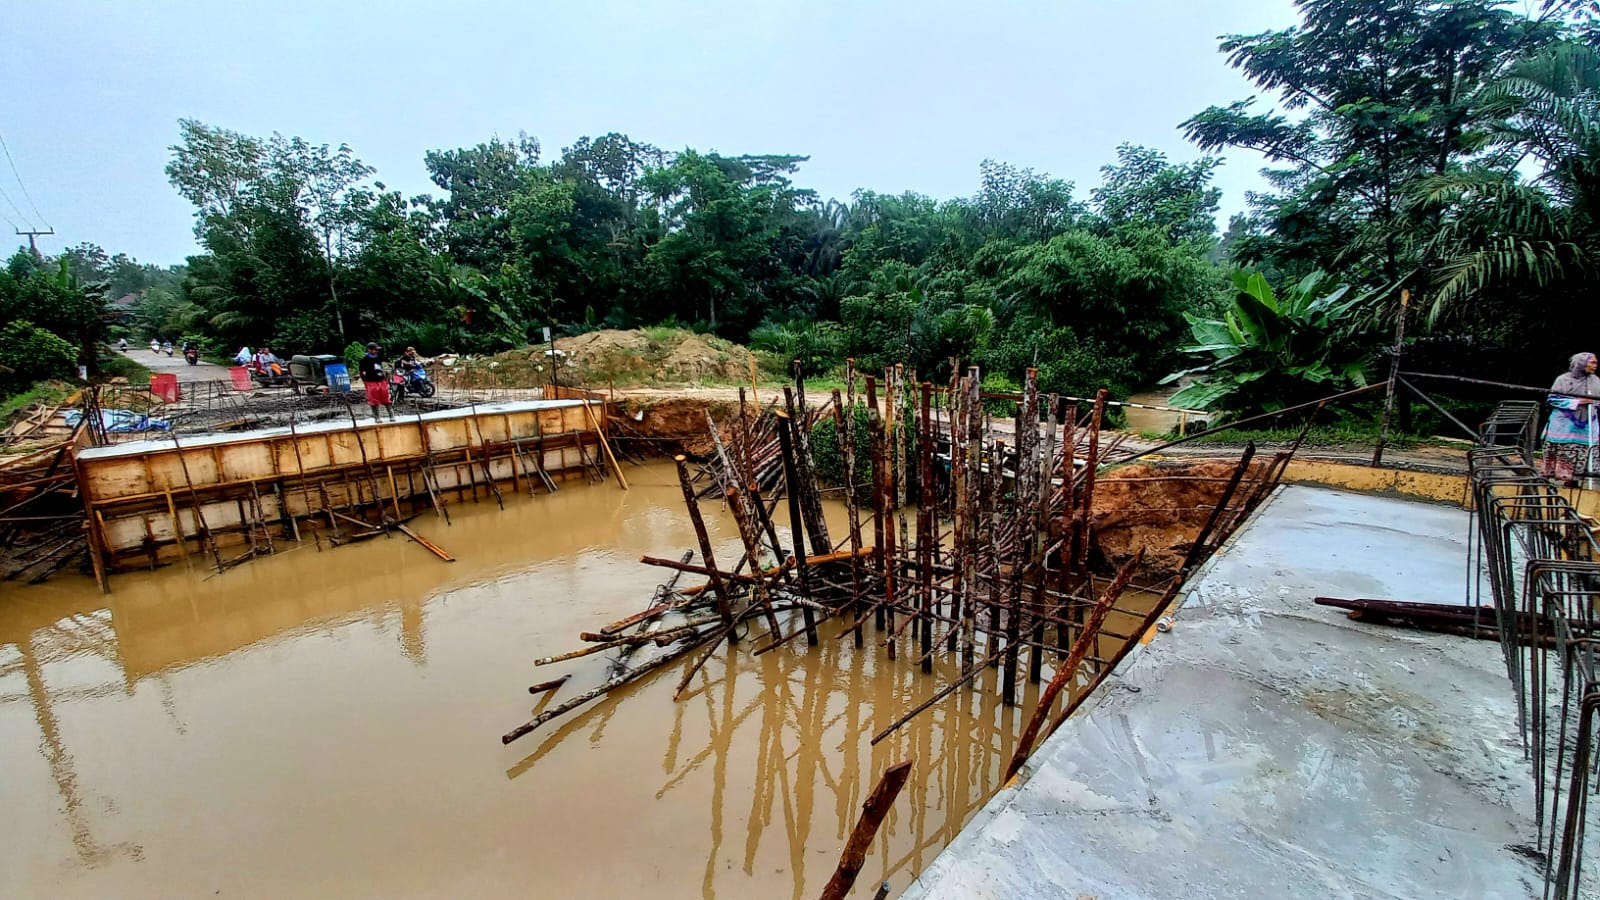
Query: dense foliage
[1269, 351]
[306, 251]
[31, 354]
[1444, 147]
[1439, 146]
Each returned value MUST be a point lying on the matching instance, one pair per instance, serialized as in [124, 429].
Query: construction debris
[997, 563]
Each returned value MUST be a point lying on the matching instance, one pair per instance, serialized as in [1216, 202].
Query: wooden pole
[1394, 372]
[1069, 669]
[872, 813]
[719, 590]
[611, 684]
[927, 525]
[550, 685]
[428, 545]
[796, 529]
[622, 480]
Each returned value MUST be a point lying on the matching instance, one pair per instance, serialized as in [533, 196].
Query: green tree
[1374, 95]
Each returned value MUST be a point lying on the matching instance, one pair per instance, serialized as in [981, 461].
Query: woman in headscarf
[1570, 436]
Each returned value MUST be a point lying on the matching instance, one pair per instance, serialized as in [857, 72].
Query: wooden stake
[605, 445]
[872, 813]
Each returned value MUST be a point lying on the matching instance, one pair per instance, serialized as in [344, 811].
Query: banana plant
[1269, 351]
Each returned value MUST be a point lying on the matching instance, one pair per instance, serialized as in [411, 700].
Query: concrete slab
[1269, 747]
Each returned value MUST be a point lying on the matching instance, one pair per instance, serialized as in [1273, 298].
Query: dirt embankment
[665, 426]
[1160, 508]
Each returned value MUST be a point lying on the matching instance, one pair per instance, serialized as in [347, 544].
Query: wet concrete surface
[327, 724]
[1268, 747]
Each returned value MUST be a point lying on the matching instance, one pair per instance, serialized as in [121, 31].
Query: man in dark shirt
[376, 381]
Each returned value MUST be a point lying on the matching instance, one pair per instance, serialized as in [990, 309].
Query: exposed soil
[650, 356]
[1160, 508]
[654, 425]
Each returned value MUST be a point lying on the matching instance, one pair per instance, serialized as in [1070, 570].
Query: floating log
[611, 684]
[550, 685]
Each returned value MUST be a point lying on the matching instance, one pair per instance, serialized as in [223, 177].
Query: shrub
[816, 344]
[430, 338]
[353, 352]
[29, 354]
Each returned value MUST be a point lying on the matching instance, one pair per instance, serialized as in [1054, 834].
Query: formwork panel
[234, 481]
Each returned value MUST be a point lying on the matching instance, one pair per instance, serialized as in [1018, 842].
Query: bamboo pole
[622, 480]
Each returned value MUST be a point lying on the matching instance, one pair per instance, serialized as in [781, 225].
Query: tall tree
[1373, 96]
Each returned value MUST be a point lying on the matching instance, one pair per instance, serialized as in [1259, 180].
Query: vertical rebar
[791, 476]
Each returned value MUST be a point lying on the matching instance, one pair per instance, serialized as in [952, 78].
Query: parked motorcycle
[269, 378]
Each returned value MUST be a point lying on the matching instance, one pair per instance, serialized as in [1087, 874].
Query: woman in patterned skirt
[1570, 436]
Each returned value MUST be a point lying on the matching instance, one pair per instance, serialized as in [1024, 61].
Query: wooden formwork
[162, 499]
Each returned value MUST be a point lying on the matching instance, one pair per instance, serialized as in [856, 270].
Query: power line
[29, 197]
[13, 205]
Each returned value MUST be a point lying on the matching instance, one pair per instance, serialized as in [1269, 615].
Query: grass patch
[44, 391]
[117, 365]
[1337, 435]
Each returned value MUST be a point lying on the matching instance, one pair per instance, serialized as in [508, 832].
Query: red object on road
[165, 386]
[241, 378]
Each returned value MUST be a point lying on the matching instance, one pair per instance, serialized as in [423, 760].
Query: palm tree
[1500, 232]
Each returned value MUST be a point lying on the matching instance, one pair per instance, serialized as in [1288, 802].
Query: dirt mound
[653, 356]
[639, 357]
[1161, 508]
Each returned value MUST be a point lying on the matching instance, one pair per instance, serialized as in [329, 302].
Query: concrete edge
[1006, 794]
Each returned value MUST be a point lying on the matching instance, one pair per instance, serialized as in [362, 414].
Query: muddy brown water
[327, 724]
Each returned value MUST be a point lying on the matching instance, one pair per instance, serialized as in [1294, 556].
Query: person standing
[376, 381]
[1571, 434]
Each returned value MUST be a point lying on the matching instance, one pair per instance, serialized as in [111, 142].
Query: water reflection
[328, 723]
[786, 736]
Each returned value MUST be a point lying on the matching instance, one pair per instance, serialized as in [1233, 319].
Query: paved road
[160, 362]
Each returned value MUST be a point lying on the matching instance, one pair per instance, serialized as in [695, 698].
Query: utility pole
[33, 247]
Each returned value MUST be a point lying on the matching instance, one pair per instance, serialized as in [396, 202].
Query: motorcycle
[191, 356]
[270, 378]
[411, 381]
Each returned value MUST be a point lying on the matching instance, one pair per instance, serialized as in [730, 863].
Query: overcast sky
[888, 96]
